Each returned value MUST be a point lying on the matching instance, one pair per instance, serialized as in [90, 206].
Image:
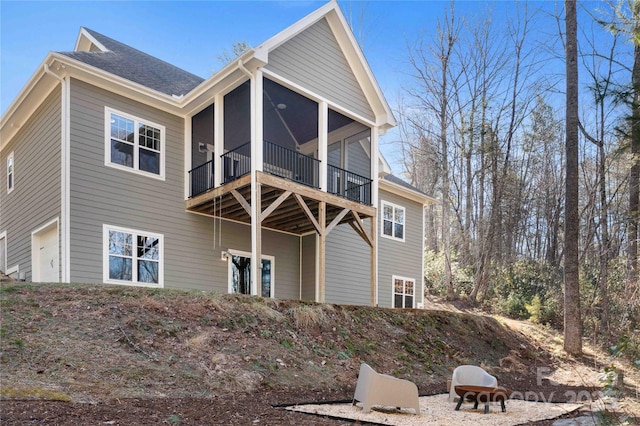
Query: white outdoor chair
[470, 375]
[380, 389]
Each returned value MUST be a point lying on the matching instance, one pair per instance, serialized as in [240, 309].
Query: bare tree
[436, 87]
[572, 314]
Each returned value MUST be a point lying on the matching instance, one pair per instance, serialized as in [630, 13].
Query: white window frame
[134, 266]
[272, 259]
[384, 203]
[136, 147]
[393, 291]
[11, 174]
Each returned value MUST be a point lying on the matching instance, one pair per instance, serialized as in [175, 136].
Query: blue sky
[191, 34]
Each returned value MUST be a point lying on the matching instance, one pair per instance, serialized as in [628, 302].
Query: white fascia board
[20, 110]
[406, 192]
[117, 84]
[361, 69]
[85, 39]
[385, 168]
[40, 85]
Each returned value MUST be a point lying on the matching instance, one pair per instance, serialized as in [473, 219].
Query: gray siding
[400, 258]
[314, 59]
[104, 195]
[284, 247]
[348, 276]
[308, 284]
[35, 199]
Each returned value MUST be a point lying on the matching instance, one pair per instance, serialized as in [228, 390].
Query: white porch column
[375, 166]
[375, 170]
[218, 138]
[323, 138]
[256, 195]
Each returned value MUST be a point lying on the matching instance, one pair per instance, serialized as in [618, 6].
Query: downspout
[65, 152]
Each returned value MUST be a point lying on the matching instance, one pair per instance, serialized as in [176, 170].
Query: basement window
[133, 257]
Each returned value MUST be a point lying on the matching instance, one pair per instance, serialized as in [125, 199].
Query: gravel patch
[437, 410]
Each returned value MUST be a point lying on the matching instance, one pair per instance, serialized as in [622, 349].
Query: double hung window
[132, 257]
[134, 144]
[393, 220]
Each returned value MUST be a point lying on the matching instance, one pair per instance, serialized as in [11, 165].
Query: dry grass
[97, 343]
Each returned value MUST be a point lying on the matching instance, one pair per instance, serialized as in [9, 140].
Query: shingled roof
[139, 67]
[400, 182]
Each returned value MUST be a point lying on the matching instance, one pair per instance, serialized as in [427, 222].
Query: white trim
[65, 175]
[393, 290]
[404, 225]
[36, 274]
[136, 146]
[253, 288]
[85, 40]
[188, 135]
[4, 268]
[11, 157]
[405, 192]
[15, 269]
[134, 267]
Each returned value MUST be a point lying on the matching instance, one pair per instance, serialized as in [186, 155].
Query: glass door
[240, 274]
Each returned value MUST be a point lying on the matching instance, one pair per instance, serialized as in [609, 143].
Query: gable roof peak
[112, 56]
[87, 42]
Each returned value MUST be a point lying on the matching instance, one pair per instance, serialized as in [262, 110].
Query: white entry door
[46, 258]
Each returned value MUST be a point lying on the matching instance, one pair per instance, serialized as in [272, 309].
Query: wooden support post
[322, 258]
[374, 261]
[256, 239]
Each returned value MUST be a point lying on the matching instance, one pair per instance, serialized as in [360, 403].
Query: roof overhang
[41, 83]
[405, 192]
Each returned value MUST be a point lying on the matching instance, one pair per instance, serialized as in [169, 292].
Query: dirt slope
[105, 344]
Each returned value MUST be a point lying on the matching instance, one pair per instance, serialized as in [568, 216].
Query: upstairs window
[10, 173]
[134, 144]
[393, 218]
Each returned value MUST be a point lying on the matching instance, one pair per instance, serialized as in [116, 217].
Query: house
[123, 169]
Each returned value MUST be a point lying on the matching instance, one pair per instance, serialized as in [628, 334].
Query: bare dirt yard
[90, 355]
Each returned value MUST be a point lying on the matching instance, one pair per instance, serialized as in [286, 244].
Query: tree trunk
[634, 174]
[572, 317]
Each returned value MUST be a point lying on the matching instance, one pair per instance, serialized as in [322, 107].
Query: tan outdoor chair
[470, 375]
[380, 389]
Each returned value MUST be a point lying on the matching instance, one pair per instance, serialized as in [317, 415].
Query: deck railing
[285, 163]
[236, 163]
[290, 164]
[349, 185]
[201, 179]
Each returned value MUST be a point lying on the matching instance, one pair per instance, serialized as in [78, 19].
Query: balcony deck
[290, 194]
[291, 214]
